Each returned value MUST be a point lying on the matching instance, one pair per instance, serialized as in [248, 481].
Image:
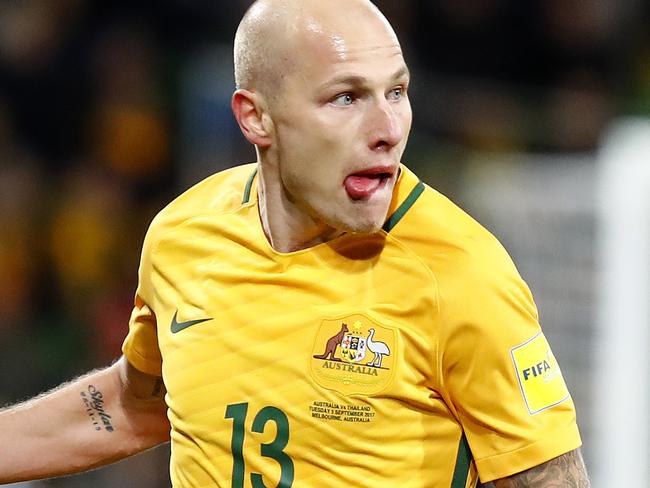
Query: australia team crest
[353, 354]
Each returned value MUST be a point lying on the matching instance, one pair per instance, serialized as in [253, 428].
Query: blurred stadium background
[108, 109]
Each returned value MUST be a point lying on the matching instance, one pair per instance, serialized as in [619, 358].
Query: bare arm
[92, 421]
[566, 471]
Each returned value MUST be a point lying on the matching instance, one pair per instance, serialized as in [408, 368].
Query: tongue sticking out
[360, 187]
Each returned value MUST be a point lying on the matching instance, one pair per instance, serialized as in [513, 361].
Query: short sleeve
[141, 344]
[498, 372]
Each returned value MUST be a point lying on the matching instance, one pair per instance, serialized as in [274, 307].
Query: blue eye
[343, 100]
[396, 93]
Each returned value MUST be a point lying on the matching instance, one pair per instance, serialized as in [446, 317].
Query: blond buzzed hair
[268, 35]
[261, 55]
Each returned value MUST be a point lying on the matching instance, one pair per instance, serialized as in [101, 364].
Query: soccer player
[320, 318]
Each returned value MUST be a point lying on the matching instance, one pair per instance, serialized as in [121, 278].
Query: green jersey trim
[463, 461]
[249, 187]
[404, 207]
[392, 221]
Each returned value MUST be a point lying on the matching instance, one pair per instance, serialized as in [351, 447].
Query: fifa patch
[539, 375]
[353, 355]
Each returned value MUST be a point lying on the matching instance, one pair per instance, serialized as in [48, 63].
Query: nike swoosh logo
[178, 326]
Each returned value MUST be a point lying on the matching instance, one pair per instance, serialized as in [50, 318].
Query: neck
[287, 227]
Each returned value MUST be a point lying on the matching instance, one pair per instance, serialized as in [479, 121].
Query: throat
[291, 238]
[293, 244]
[289, 229]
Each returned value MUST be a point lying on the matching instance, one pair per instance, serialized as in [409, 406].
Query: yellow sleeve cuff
[138, 361]
[506, 464]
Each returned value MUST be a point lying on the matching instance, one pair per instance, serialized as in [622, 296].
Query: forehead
[324, 47]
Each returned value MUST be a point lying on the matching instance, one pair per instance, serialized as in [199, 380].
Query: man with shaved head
[320, 318]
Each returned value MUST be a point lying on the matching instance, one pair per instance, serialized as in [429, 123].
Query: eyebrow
[347, 79]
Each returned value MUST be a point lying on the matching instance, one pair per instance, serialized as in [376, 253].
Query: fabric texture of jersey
[412, 357]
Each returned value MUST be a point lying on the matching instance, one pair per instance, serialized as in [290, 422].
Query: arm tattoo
[93, 400]
[566, 471]
[157, 388]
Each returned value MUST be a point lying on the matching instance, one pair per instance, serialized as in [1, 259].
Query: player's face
[342, 122]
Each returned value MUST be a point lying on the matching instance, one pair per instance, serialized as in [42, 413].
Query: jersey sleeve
[498, 372]
[141, 344]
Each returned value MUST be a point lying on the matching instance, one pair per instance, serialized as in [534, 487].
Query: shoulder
[217, 194]
[474, 275]
[443, 235]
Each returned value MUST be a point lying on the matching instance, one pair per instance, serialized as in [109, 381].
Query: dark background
[108, 109]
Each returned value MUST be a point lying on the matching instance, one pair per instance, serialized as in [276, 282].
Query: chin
[357, 218]
[363, 225]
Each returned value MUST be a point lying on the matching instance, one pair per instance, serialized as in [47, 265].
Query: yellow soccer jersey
[410, 358]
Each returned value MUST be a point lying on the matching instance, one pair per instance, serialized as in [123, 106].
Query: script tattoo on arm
[93, 400]
[566, 471]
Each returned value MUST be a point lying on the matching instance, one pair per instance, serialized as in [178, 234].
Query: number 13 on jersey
[274, 450]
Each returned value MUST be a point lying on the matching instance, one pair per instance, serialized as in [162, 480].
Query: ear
[251, 116]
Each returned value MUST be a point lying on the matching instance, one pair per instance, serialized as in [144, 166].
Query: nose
[385, 125]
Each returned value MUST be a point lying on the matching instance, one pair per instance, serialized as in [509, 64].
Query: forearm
[87, 423]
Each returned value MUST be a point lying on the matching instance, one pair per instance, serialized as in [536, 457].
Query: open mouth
[364, 184]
